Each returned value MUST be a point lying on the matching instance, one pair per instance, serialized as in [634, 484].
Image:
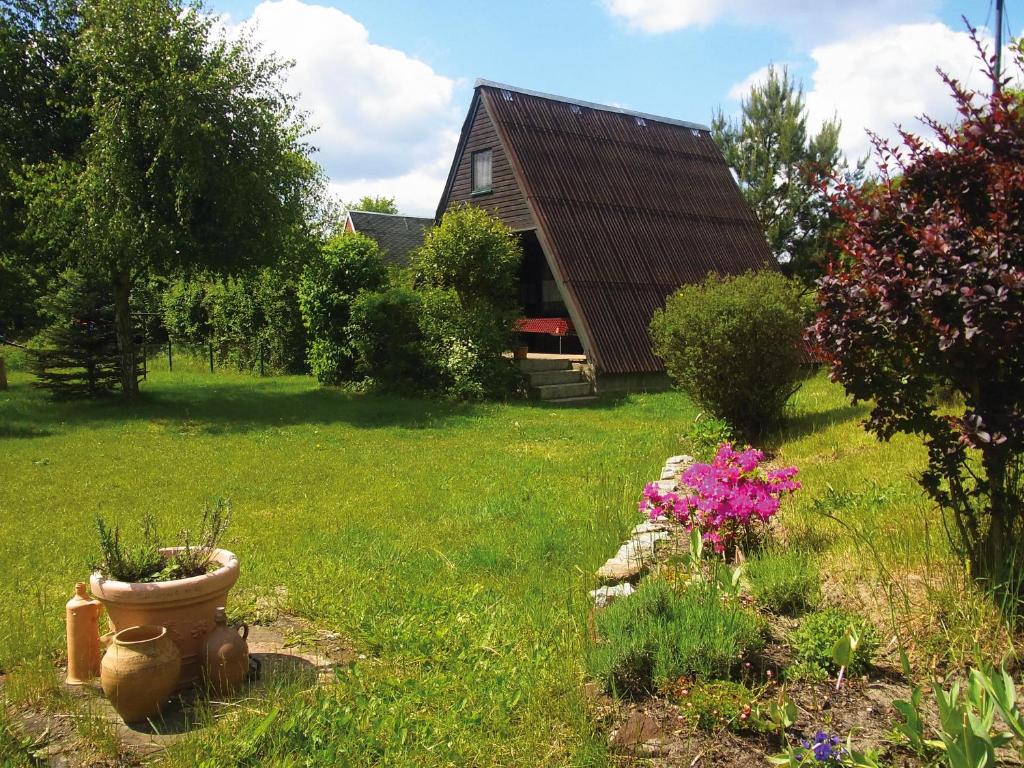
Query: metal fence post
[211, 356]
[262, 373]
[170, 355]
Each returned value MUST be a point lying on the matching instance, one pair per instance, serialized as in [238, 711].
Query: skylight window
[506, 95]
[641, 122]
[574, 108]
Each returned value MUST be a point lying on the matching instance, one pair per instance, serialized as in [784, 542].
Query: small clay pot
[139, 671]
[225, 656]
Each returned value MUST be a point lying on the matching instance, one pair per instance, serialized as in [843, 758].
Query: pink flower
[727, 497]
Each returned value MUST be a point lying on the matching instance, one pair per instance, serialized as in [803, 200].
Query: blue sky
[388, 81]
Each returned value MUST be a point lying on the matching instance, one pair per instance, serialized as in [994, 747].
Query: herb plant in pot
[178, 587]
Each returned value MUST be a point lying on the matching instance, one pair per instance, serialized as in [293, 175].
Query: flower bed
[715, 523]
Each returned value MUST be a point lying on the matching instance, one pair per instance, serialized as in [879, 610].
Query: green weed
[815, 640]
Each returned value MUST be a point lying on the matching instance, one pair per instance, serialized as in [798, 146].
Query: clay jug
[82, 617]
[225, 655]
[139, 671]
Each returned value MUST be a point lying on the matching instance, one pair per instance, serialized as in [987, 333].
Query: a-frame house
[616, 209]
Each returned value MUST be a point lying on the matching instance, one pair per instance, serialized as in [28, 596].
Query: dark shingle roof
[397, 235]
[632, 205]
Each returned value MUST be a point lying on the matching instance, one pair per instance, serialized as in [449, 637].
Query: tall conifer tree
[783, 169]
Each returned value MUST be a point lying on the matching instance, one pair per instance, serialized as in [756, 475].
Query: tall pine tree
[77, 353]
[782, 170]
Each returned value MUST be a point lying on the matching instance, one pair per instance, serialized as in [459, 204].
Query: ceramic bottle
[82, 618]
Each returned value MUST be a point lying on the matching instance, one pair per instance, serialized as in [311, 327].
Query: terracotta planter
[185, 606]
[139, 671]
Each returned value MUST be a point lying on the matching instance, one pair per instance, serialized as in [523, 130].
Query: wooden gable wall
[506, 200]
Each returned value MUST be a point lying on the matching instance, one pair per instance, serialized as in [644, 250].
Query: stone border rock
[618, 576]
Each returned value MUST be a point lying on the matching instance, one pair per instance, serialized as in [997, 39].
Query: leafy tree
[193, 157]
[40, 117]
[734, 345]
[783, 170]
[77, 351]
[928, 292]
[468, 272]
[19, 291]
[380, 204]
[348, 264]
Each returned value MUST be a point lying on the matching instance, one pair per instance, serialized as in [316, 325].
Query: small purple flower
[825, 748]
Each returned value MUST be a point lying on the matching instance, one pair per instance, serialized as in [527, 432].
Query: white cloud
[800, 17]
[656, 16]
[417, 192]
[740, 90]
[876, 81]
[385, 120]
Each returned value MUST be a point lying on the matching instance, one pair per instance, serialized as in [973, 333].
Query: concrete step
[570, 401]
[536, 364]
[557, 391]
[542, 378]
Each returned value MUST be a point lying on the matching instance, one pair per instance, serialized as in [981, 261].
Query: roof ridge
[381, 213]
[481, 82]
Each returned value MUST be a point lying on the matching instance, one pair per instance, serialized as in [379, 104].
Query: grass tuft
[784, 581]
[659, 635]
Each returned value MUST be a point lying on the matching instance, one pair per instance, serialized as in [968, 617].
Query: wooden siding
[506, 200]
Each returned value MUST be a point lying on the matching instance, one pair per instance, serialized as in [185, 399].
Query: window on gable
[482, 171]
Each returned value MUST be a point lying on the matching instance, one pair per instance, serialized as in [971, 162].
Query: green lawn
[453, 545]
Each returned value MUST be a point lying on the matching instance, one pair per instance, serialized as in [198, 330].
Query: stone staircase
[558, 381]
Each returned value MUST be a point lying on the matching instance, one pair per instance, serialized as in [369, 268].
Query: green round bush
[733, 344]
[467, 272]
[465, 343]
[475, 254]
[389, 343]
